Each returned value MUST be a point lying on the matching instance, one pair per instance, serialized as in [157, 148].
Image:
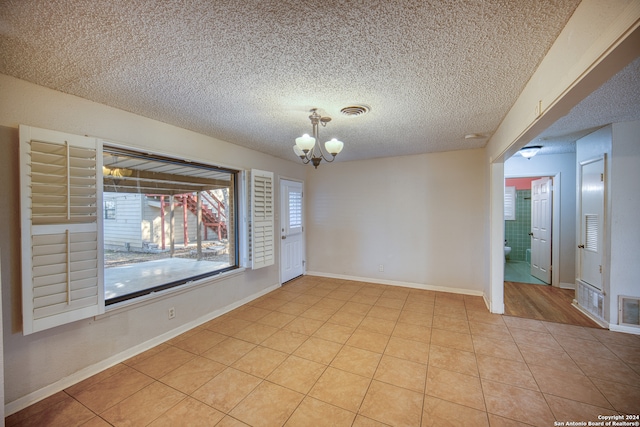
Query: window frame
[32, 201]
[106, 210]
[178, 161]
[510, 198]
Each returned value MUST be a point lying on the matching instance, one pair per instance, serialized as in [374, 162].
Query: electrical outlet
[172, 313]
[381, 268]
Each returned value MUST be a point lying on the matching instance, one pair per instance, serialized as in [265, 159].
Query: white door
[541, 229]
[591, 222]
[292, 243]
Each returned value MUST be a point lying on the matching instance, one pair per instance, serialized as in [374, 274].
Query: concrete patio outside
[126, 279]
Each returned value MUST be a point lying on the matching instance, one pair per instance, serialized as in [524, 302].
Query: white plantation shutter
[261, 227]
[61, 193]
[295, 211]
[510, 203]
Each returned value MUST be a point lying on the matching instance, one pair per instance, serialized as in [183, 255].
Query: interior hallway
[332, 352]
[543, 302]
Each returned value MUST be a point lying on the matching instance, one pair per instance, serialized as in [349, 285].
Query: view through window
[167, 222]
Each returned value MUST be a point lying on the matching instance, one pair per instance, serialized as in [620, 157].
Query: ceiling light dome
[529, 152]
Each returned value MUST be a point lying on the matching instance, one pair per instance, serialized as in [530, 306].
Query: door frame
[537, 239]
[280, 221]
[555, 221]
[605, 216]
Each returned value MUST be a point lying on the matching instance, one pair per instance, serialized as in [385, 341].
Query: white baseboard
[51, 389]
[398, 283]
[565, 285]
[626, 329]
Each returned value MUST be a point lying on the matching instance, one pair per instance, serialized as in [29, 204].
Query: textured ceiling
[249, 71]
[618, 100]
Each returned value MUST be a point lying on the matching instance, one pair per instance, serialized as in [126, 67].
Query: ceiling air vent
[355, 110]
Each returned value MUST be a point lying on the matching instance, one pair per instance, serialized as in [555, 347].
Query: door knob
[284, 237]
[580, 246]
[531, 234]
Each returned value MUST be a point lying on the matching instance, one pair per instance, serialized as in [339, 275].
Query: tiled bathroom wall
[517, 232]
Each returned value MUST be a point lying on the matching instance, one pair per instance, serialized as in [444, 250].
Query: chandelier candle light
[305, 147]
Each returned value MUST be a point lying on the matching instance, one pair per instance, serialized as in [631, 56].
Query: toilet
[507, 251]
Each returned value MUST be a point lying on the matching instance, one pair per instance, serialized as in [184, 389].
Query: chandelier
[306, 147]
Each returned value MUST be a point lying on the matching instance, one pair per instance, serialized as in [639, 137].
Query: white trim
[150, 152]
[495, 258]
[626, 329]
[565, 285]
[399, 283]
[243, 219]
[606, 224]
[280, 217]
[43, 393]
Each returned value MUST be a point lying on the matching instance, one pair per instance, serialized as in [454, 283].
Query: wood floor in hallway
[543, 302]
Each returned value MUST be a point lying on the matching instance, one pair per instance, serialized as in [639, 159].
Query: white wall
[550, 165]
[421, 217]
[38, 364]
[625, 214]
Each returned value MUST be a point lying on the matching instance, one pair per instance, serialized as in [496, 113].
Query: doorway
[591, 208]
[541, 229]
[529, 229]
[291, 230]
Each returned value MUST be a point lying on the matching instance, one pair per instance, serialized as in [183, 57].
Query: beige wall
[39, 364]
[422, 217]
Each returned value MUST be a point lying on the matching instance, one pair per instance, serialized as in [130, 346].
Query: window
[176, 222]
[295, 209]
[109, 209]
[510, 203]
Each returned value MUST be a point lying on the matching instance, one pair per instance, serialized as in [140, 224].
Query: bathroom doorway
[525, 256]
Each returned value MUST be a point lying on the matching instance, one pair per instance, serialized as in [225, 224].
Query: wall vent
[629, 311]
[591, 299]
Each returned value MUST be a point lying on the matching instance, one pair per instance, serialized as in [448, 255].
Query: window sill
[167, 293]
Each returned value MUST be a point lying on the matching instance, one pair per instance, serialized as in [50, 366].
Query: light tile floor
[520, 271]
[327, 352]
